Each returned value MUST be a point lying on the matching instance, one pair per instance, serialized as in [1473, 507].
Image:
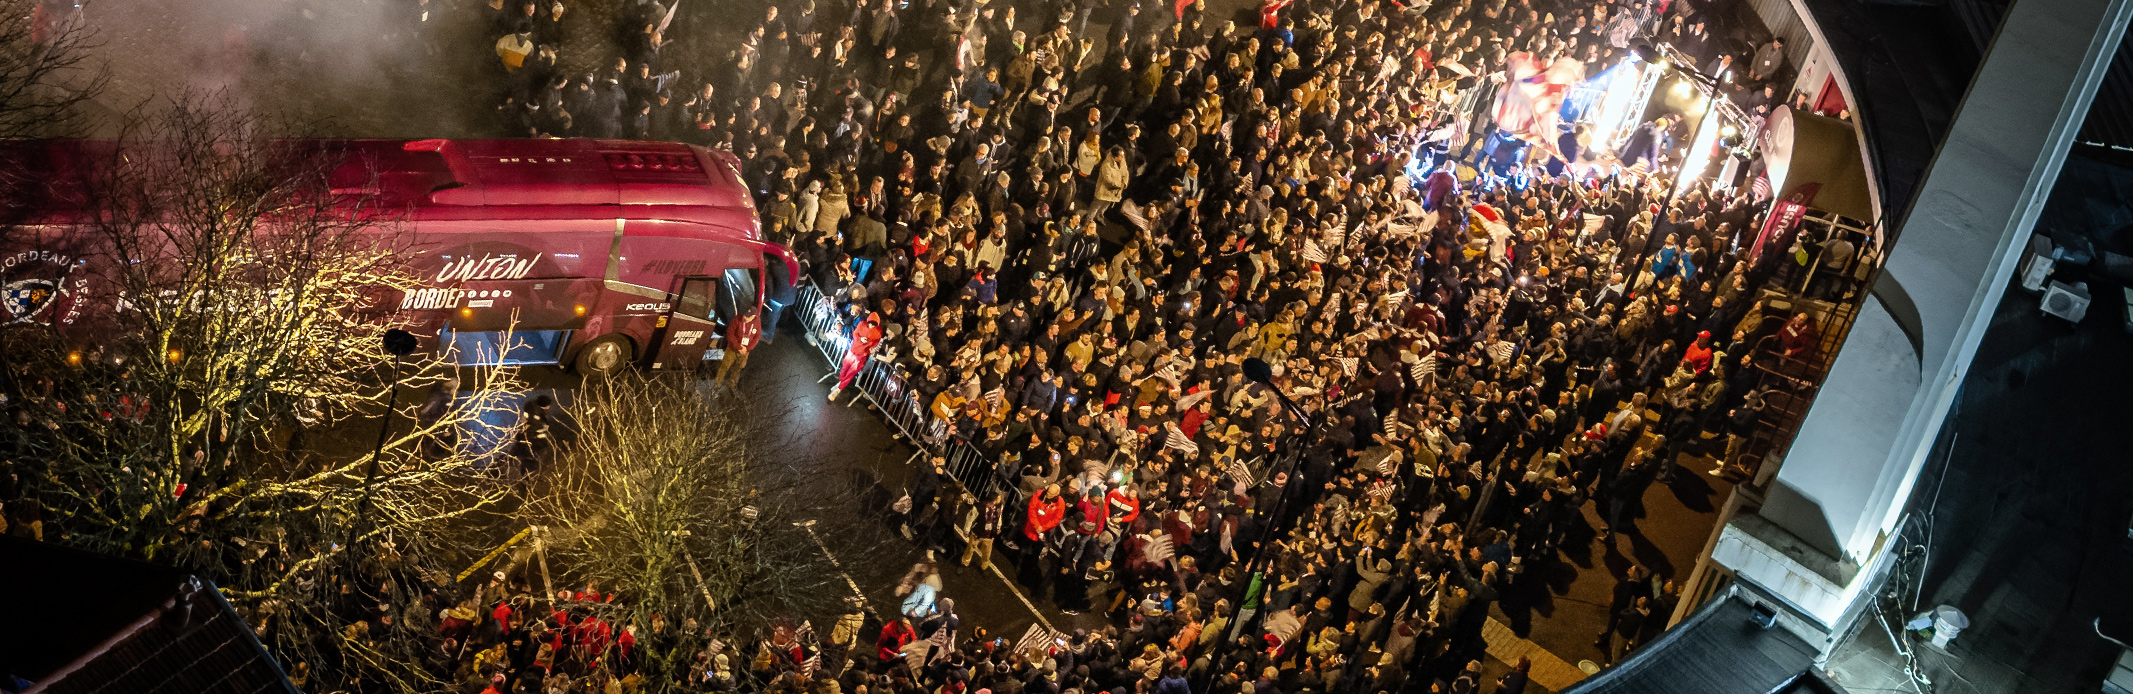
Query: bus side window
[741, 286]
[697, 295]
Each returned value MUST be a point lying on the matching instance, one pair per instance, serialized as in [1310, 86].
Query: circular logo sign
[24, 299]
[32, 283]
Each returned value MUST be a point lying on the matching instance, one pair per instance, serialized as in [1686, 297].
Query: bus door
[690, 330]
[704, 316]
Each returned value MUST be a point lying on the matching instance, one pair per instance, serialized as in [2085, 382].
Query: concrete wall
[1825, 488]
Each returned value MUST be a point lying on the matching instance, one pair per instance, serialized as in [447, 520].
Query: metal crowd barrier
[825, 327]
[884, 385]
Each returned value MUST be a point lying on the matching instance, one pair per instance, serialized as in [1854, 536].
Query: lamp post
[399, 343]
[1262, 373]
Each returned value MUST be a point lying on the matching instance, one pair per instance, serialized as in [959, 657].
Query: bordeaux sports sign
[33, 282]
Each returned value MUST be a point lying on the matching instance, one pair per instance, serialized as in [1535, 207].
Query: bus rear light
[580, 309]
[466, 313]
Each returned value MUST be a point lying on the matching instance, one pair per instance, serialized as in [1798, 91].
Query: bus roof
[440, 180]
[547, 172]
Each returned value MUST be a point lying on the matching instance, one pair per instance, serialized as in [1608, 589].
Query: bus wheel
[603, 356]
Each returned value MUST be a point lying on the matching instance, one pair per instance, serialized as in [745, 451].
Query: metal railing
[886, 387]
[1790, 384]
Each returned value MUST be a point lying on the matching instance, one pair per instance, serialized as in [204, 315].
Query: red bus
[598, 254]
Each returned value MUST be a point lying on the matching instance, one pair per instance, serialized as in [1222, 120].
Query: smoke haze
[358, 68]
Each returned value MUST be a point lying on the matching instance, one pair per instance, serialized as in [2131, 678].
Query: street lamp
[1262, 373]
[399, 343]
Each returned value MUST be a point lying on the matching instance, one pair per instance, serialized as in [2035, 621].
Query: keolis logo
[488, 266]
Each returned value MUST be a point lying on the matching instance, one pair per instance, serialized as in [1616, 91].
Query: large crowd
[1066, 229]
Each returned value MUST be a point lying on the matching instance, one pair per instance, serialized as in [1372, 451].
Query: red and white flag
[1530, 104]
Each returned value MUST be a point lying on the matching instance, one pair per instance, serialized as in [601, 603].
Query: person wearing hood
[1372, 572]
[864, 338]
[831, 208]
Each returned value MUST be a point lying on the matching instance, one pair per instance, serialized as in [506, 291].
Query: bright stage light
[1619, 102]
[1699, 154]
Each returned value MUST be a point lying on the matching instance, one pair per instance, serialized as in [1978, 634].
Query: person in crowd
[1768, 60]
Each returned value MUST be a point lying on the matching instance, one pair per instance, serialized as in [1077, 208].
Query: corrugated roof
[1715, 651]
[90, 623]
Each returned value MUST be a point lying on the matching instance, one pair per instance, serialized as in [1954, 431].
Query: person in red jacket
[592, 638]
[1092, 508]
[1699, 352]
[1046, 511]
[626, 647]
[864, 338]
[1799, 336]
[1125, 506]
[894, 636]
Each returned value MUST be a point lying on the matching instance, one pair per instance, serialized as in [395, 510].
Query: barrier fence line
[491, 556]
[883, 385]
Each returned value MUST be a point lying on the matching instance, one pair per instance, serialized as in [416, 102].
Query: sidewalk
[1566, 608]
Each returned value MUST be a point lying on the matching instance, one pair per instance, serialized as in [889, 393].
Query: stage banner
[1784, 214]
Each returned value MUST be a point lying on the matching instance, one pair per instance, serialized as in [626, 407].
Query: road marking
[1548, 670]
[809, 526]
[540, 549]
[1019, 596]
[701, 586]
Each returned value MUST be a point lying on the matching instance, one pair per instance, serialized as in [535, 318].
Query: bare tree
[45, 70]
[662, 499]
[216, 410]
